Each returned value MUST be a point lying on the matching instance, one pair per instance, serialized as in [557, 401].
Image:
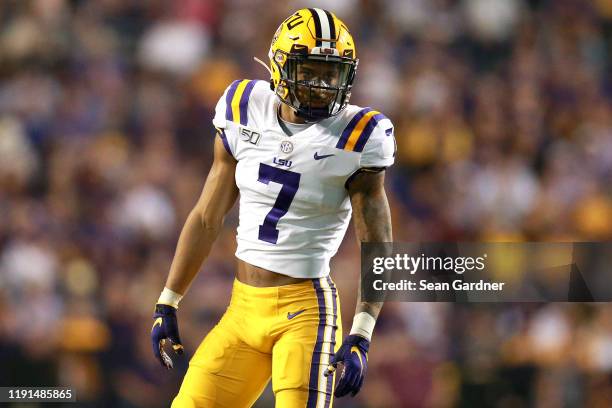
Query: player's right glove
[165, 327]
[353, 353]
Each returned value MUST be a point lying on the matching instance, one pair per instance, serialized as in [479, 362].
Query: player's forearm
[375, 227]
[372, 218]
[194, 244]
[371, 308]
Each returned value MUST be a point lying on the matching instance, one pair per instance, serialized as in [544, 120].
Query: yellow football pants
[286, 332]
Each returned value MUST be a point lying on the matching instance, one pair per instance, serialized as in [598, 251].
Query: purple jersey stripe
[349, 128]
[313, 385]
[221, 134]
[330, 379]
[228, 99]
[367, 131]
[244, 101]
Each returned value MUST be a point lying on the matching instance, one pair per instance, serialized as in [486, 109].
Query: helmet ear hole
[280, 57]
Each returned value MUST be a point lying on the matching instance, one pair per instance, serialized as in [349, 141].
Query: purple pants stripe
[313, 385]
[330, 379]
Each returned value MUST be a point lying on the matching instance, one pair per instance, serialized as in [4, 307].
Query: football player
[302, 160]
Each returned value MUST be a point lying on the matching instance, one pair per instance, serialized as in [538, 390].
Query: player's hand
[165, 327]
[353, 354]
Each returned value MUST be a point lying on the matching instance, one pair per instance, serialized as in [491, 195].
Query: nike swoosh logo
[355, 350]
[324, 156]
[157, 322]
[292, 315]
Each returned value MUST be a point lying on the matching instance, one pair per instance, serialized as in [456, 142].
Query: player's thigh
[298, 379]
[224, 372]
[302, 354]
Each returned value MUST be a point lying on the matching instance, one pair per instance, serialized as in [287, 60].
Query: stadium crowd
[503, 121]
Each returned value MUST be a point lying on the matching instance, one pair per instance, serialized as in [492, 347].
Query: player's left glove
[353, 353]
[165, 327]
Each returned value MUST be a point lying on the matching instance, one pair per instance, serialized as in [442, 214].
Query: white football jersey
[294, 205]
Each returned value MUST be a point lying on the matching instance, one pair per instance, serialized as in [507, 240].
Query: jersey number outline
[290, 182]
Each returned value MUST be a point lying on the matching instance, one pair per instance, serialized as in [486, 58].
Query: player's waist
[252, 275]
[304, 264]
[268, 299]
[269, 309]
[244, 290]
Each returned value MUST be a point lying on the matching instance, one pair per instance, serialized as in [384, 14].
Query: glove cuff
[359, 341]
[161, 309]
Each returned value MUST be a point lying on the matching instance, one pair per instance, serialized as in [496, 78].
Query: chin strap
[264, 65]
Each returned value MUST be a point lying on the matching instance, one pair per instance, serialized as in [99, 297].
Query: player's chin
[317, 102]
[320, 103]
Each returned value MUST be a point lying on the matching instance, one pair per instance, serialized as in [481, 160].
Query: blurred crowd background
[503, 114]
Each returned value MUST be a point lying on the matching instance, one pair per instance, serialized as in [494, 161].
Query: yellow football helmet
[313, 63]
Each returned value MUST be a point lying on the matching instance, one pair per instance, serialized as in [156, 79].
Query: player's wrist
[162, 310]
[170, 298]
[363, 325]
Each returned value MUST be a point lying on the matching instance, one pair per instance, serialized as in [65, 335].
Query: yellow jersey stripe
[354, 136]
[236, 100]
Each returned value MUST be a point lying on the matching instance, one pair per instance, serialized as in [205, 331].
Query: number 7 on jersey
[290, 182]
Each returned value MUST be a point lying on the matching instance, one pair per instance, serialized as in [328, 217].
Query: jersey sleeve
[232, 111]
[369, 133]
[379, 149]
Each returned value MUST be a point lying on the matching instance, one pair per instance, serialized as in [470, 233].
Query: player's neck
[287, 114]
